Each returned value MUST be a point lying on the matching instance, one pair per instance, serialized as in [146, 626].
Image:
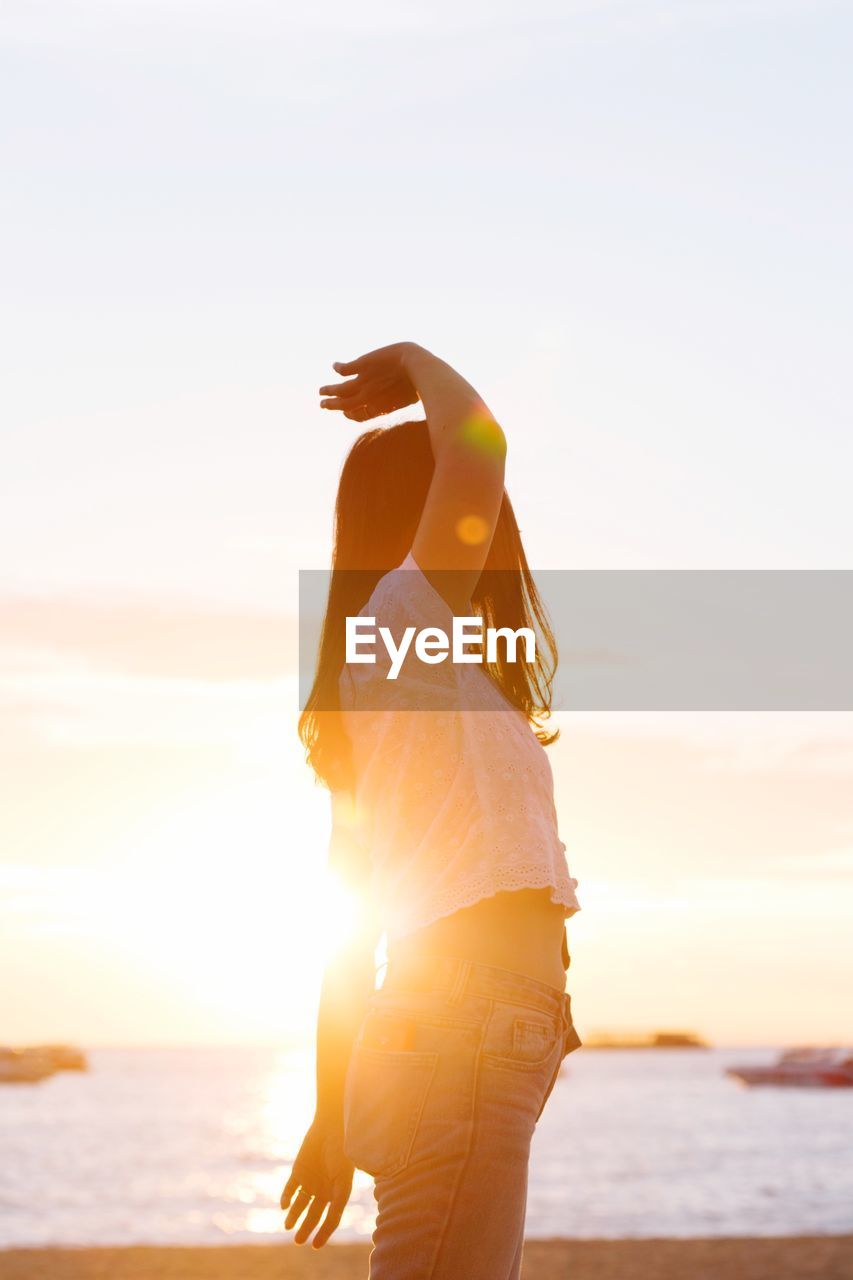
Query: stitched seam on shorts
[516, 1064]
[464, 1163]
[529, 1001]
[532, 1000]
[416, 1113]
[438, 1020]
[505, 1062]
[428, 1018]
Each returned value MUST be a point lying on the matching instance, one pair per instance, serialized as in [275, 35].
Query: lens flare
[472, 530]
[481, 432]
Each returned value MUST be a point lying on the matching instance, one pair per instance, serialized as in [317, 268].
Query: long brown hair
[381, 494]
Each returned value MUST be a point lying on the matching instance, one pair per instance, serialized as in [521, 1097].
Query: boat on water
[801, 1068]
[38, 1062]
[19, 1066]
[65, 1057]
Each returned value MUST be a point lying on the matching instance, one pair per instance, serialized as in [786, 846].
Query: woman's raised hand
[378, 383]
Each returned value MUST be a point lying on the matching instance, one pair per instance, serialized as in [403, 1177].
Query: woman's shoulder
[405, 594]
[384, 669]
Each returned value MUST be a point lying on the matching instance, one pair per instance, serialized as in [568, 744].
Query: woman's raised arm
[469, 448]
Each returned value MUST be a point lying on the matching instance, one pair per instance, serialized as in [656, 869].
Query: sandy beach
[789, 1258]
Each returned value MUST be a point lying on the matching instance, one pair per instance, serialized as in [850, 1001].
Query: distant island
[649, 1040]
[38, 1062]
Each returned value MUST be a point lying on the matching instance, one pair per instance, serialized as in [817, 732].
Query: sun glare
[236, 897]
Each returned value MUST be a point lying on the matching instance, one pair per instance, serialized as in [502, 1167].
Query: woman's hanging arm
[320, 1180]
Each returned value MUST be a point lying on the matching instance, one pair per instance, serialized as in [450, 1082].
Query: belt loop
[457, 990]
[567, 959]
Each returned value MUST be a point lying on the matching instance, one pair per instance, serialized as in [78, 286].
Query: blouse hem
[562, 894]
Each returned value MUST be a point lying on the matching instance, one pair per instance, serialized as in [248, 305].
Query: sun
[228, 899]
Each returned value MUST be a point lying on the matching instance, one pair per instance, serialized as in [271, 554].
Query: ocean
[191, 1146]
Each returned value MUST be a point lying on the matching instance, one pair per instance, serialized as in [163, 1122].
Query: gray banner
[661, 640]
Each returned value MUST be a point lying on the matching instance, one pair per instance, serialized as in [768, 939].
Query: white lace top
[453, 804]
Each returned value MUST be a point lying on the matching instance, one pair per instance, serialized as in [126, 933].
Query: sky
[628, 225]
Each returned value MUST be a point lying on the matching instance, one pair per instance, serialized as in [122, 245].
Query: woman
[444, 824]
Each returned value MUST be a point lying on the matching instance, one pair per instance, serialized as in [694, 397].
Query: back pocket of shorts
[532, 1042]
[521, 1041]
[386, 1089]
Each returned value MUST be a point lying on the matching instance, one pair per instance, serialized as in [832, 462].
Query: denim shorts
[450, 1072]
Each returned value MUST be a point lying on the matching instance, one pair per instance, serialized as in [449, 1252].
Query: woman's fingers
[336, 403]
[357, 390]
[366, 400]
[350, 388]
[289, 1190]
[335, 1211]
[381, 358]
[359, 365]
[362, 412]
[383, 396]
[297, 1209]
[310, 1220]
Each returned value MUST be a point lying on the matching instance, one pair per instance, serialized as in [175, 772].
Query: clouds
[138, 635]
[107, 670]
